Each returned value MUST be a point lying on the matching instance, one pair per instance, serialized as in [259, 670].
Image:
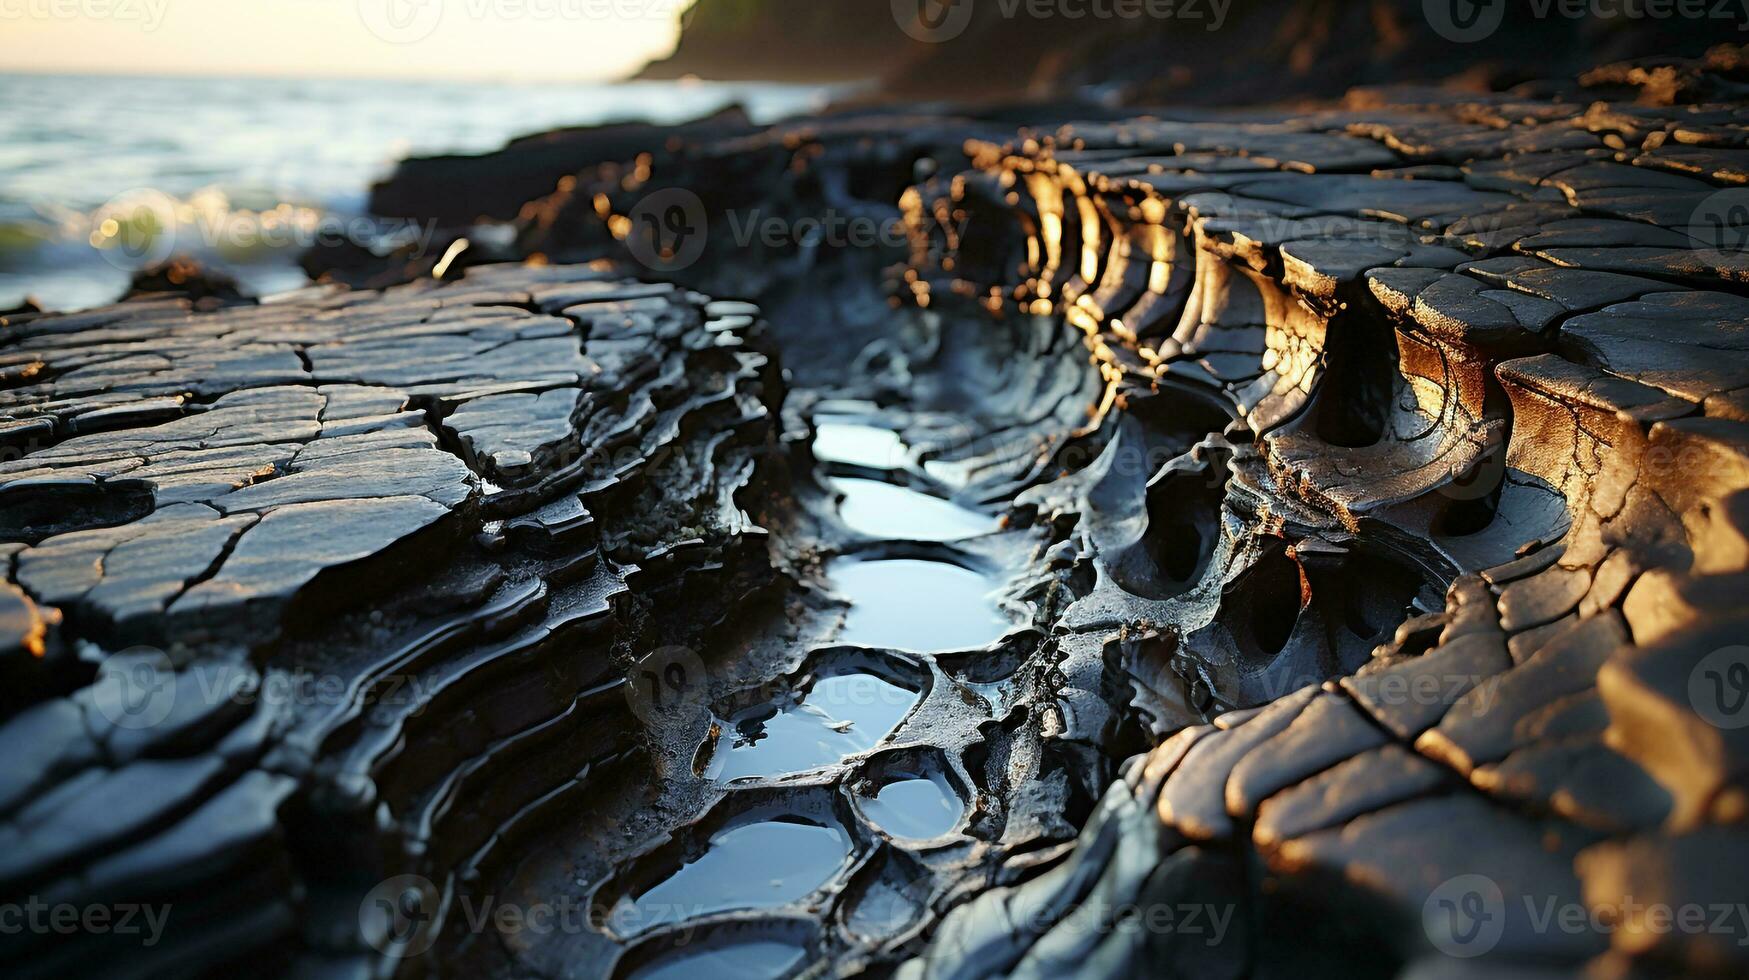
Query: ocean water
[259, 165]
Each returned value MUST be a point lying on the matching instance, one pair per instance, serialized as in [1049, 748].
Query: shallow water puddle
[914, 809]
[757, 960]
[839, 716]
[954, 473]
[998, 695]
[881, 911]
[883, 510]
[757, 865]
[908, 604]
[859, 445]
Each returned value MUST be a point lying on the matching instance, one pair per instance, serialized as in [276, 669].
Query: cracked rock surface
[1250, 544]
[287, 622]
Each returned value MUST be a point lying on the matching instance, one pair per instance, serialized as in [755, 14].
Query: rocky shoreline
[1362, 490]
[1175, 52]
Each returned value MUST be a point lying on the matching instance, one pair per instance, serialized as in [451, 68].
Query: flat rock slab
[331, 555]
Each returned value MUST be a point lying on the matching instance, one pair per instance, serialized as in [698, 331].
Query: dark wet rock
[296, 538]
[1358, 785]
[456, 190]
[1371, 476]
[1329, 730]
[186, 277]
[1193, 801]
[1411, 694]
[1515, 406]
[1406, 869]
[1652, 693]
[1671, 870]
[1582, 780]
[1479, 727]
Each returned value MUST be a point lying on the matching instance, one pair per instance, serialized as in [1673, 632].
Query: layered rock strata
[1373, 477]
[308, 595]
[1460, 605]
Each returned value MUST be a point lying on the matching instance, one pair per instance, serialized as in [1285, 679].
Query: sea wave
[103, 175]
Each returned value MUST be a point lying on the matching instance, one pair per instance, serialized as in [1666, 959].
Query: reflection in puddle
[914, 809]
[999, 695]
[908, 604]
[859, 445]
[839, 716]
[758, 865]
[881, 911]
[758, 960]
[954, 473]
[883, 510]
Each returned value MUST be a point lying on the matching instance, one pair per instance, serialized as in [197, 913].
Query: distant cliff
[787, 40]
[1204, 51]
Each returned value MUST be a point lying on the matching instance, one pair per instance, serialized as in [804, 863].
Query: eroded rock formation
[1485, 362]
[1363, 488]
[341, 585]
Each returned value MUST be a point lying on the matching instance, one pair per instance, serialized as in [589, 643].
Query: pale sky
[494, 39]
